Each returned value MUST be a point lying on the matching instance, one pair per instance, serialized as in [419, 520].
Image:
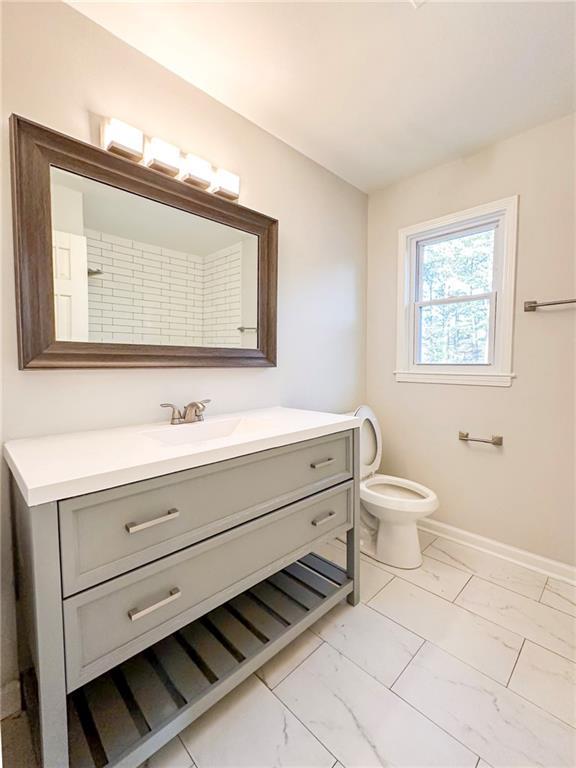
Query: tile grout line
[485, 578]
[544, 590]
[422, 714]
[405, 667]
[488, 554]
[515, 663]
[541, 709]
[504, 686]
[380, 590]
[191, 756]
[516, 594]
[382, 567]
[285, 705]
[426, 640]
[322, 641]
[511, 561]
[394, 621]
[453, 601]
[536, 602]
[560, 610]
[549, 650]
[474, 613]
[426, 589]
[456, 605]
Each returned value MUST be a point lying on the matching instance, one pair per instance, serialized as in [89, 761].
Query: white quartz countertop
[60, 466]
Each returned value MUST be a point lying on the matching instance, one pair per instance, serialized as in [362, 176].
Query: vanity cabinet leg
[353, 535]
[40, 610]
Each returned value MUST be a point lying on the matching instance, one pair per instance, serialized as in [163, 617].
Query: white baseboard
[10, 699]
[554, 568]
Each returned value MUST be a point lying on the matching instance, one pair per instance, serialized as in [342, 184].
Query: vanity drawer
[111, 622]
[110, 532]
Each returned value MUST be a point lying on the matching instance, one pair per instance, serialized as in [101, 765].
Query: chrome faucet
[192, 412]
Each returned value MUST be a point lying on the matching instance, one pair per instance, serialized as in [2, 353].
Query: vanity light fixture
[226, 184]
[122, 139]
[162, 156]
[130, 142]
[197, 172]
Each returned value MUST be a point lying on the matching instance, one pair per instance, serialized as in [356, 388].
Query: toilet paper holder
[494, 440]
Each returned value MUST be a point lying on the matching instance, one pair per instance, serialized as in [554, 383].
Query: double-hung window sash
[455, 303]
[455, 297]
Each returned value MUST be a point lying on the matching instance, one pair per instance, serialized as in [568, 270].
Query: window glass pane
[459, 265]
[454, 333]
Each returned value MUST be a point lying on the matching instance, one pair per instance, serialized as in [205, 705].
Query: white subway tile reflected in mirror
[133, 271]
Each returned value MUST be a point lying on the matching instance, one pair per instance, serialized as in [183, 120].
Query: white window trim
[498, 373]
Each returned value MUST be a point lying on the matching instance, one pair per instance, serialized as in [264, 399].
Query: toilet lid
[370, 441]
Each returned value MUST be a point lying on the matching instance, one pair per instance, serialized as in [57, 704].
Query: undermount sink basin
[197, 432]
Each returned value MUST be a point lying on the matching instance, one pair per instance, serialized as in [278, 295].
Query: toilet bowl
[390, 506]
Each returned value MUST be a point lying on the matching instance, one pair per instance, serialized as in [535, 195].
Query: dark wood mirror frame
[34, 149]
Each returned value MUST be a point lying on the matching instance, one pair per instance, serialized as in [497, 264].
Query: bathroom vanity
[160, 566]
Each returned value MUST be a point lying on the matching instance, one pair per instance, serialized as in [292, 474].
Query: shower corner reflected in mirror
[118, 265]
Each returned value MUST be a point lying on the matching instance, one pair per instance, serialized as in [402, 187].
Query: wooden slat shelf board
[123, 717]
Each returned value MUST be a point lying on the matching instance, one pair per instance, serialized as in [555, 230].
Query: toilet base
[394, 544]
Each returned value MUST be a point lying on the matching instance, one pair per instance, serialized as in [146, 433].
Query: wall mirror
[118, 265]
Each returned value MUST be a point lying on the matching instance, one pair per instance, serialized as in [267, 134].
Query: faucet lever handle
[194, 411]
[176, 414]
[199, 405]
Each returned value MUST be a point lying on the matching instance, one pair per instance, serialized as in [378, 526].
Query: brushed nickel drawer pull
[320, 464]
[139, 613]
[324, 519]
[172, 514]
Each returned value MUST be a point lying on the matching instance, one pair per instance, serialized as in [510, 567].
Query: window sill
[466, 379]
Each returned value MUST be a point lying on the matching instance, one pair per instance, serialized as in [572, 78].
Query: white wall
[62, 70]
[67, 210]
[523, 494]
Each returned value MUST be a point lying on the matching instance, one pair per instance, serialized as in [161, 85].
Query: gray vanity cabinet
[143, 605]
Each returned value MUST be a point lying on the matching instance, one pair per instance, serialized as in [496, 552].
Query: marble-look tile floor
[468, 662]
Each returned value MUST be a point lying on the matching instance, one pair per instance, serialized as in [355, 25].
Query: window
[455, 297]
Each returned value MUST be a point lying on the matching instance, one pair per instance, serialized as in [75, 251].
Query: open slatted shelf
[125, 715]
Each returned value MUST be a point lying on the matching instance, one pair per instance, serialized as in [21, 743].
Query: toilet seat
[370, 441]
[420, 499]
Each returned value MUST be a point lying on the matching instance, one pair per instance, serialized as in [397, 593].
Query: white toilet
[390, 506]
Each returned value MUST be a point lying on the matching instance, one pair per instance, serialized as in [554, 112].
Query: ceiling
[372, 91]
[117, 212]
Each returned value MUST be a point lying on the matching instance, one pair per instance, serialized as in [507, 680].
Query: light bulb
[162, 156]
[226, 184]
[197, 172]
[122, 139]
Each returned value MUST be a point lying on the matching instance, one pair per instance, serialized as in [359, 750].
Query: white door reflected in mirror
[129, 270]
[70, 264]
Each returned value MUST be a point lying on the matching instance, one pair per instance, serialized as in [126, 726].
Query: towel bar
[494, 440]
[532, 306]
